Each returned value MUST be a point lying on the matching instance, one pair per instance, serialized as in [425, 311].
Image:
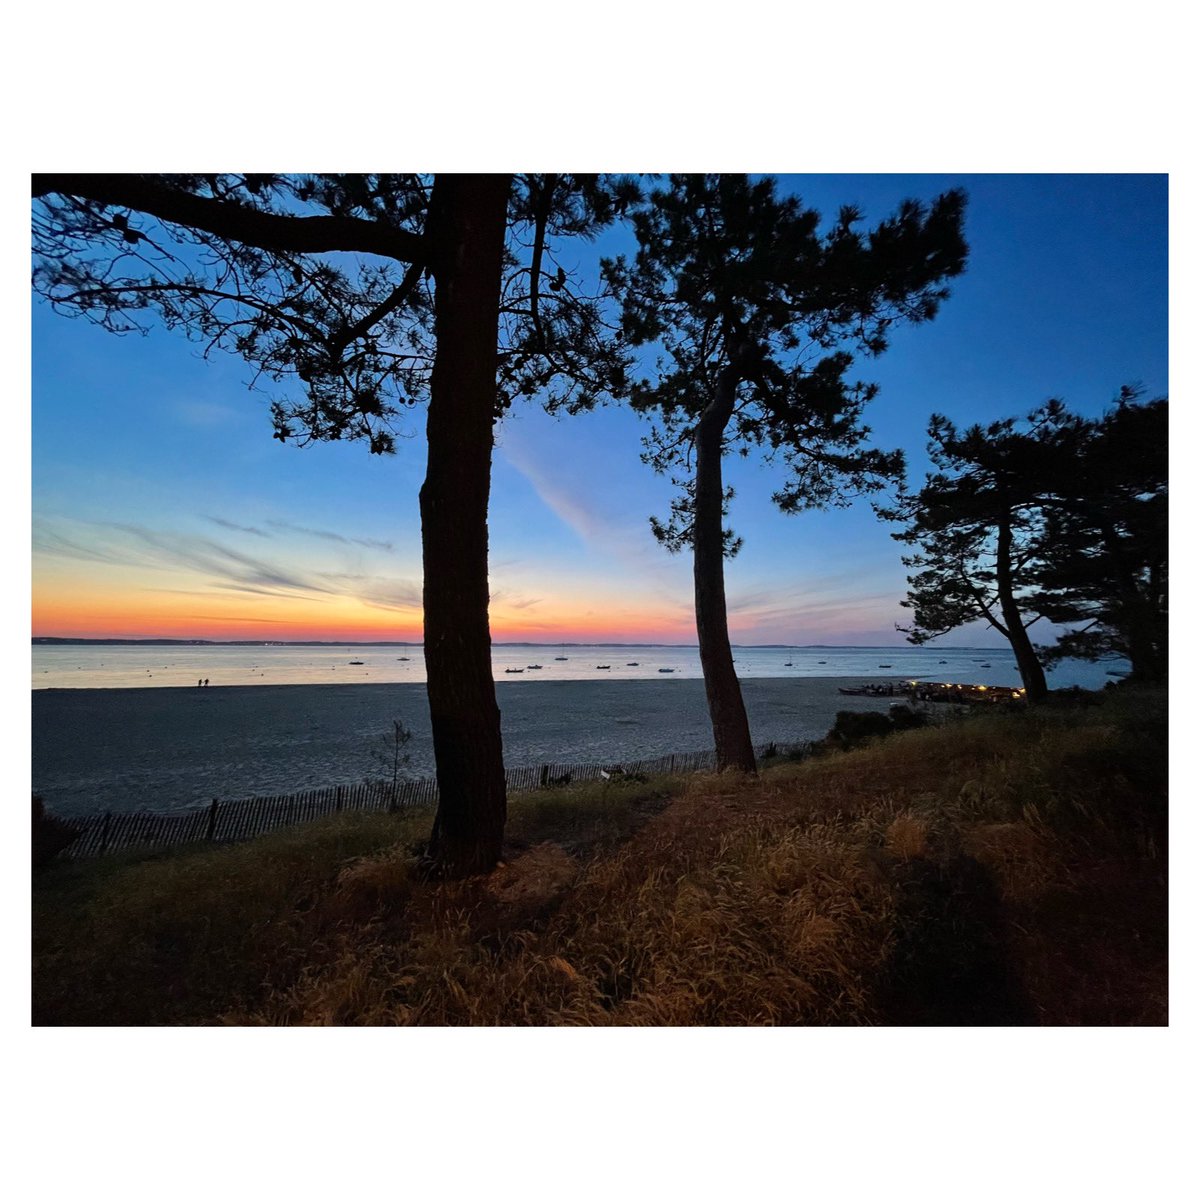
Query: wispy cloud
[239, 620]
[262, 533]
[509, 599]
[379, 591]
[599, 525]
[330, 536]
[225, 568]
[139, 546]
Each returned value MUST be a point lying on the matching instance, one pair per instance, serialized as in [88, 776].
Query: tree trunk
[467, 225]
[731, 730]
[1032, 675]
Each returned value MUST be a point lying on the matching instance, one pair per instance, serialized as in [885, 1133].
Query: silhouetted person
[206, 683]
[199, 682]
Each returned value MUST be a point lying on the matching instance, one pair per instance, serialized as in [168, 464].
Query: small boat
[941, 662]
[666, 670]
[885, 666]
[514, 670]
[787, 664]
[820, 662]
[633, 664]
[561, 658]
[402, 660]
[606, 667]
[357, 662]
[986, 667]
[535, 666]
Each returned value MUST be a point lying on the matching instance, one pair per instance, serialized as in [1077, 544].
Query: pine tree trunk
[731, 730]
[1032, 675]
[467, 225]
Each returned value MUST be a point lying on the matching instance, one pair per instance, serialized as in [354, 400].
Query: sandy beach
[167, 748]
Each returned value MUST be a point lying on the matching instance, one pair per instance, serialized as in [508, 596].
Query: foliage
[323, 284]
[732, 280]
[1103, 560]
[1055, 517]
[988, 480]
[979, 523]
[850, 728]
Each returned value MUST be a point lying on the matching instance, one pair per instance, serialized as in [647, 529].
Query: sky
[162, 506]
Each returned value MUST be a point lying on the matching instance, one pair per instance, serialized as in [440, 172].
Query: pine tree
[364, 295]
[757, 315]
[1103, 561]
[979, 523]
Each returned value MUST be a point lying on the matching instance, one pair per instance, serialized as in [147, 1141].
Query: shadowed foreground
[1007, 869]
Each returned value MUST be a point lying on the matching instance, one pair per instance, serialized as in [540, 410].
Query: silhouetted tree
[1103, 560]
[979, 523]
[758, 315]
[371, 292]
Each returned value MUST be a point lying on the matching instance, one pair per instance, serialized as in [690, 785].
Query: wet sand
[167, 748]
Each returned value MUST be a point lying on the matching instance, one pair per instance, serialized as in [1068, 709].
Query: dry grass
[1008, 869]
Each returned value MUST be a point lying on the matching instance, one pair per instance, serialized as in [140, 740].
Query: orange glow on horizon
[89, 612]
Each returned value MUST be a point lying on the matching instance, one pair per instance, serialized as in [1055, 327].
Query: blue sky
[162, 506]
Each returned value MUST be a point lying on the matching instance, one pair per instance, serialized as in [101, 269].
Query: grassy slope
[1007, 869]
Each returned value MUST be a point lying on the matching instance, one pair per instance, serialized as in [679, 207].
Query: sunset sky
[163, 507]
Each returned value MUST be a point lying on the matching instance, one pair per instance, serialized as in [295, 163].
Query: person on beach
[206, 683]
[199, 682]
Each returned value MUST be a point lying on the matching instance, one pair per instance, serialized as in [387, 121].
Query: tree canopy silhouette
[991, 529]
[1103, 560]
[362, 295]
[758, 315]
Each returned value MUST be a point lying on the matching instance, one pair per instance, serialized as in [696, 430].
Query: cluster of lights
[1017, 693]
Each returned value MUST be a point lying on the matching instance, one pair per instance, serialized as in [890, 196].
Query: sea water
[139, 666]
[126, 727]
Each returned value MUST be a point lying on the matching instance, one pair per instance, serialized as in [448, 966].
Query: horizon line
[42, 639]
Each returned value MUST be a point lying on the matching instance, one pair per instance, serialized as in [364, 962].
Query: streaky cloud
[330, 536]
[262, 533]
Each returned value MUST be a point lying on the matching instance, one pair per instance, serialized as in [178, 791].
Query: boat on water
[534, 667]
[357, 662]
[606, 667]
[633, 664]
[787, 664]
[514, 670]
[885, 666]
[666, 670]
[560, 658]
[402, 660]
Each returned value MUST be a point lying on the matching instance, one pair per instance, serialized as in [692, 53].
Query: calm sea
[183, 666]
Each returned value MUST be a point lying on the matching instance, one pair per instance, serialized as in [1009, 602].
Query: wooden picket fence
[238, 820]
